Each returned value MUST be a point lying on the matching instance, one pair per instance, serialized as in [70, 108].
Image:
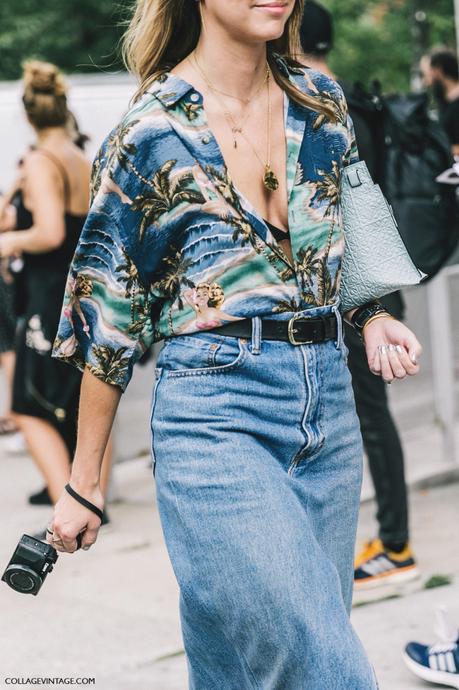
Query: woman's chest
[254, 153]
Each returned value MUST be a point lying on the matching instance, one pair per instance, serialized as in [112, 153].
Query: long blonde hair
[163, 32]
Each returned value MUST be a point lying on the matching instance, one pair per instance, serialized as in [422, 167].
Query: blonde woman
[256, 444]
[53, 203]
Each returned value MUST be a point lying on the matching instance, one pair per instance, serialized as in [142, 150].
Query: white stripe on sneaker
[433, 662]
[451, 663]
[441, 662]
[378, 565]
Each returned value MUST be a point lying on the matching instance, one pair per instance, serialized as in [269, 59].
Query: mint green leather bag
[375, 261]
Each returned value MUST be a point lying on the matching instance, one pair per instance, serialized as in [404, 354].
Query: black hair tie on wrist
[87, 504]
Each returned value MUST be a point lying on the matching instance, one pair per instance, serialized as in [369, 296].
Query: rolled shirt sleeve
[105, 323]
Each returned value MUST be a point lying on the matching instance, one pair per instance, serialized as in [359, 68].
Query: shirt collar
[170, 89]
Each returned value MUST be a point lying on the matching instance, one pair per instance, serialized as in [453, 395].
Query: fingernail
[85, 548]
[383, 349]
[399, 348]
[392, 348]
[413, 359]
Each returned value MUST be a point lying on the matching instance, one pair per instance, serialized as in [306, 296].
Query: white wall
[98, 102]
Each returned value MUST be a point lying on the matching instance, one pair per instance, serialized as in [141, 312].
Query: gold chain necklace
[270, 180]
[236, 127]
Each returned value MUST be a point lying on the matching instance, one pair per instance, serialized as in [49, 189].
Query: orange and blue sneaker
[376, 566]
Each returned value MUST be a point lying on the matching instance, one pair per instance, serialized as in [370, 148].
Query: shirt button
[194, 97]
[205, 140]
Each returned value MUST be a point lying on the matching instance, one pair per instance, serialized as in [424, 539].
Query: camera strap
[84, 502]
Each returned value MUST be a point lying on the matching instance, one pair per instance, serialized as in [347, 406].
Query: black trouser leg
[382, 445]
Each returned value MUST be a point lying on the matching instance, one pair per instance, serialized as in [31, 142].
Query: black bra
[278, 234]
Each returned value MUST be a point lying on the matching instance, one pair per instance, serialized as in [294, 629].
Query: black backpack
[407, 150]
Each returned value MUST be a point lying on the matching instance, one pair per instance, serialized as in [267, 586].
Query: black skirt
[44, 387]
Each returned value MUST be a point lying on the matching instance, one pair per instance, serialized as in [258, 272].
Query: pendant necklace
[236, 127]
[270, 180]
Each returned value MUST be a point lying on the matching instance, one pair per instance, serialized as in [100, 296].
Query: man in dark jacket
[440, 72]
[387, 559]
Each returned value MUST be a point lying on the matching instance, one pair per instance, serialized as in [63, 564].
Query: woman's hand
[71, 518]
[393, 351]
[8, 245]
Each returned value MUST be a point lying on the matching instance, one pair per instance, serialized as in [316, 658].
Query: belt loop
[339, 321]
[256, 335]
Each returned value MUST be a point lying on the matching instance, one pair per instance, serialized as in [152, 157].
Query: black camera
[30, 564]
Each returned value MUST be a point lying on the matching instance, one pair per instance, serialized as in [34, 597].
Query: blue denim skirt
[258, 464]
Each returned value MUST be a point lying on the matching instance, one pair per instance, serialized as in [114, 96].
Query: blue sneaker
[437, 663]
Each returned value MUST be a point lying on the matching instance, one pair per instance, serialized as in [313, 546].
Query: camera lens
[22, 579]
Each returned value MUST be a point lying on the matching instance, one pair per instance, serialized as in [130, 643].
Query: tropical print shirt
[170, 245]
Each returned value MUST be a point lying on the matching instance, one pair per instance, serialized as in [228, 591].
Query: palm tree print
[96, 176]
[164, 194]
[130, 272]
[326, 289]
[287, 306]
[306, 266]
[328, 189]
[112, 365]
[118, 148]
[244, 232]
[225, 187]
[173, 276]
[141, 314]
[337, 103]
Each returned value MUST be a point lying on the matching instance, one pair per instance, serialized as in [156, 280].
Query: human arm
[45, 199]
[98, 404]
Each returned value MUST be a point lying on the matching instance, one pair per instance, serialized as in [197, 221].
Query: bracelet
[376, 316]
[84, 502]
[366, 312]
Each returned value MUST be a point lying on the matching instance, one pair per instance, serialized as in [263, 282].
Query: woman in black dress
[52, 208]
[7, 330]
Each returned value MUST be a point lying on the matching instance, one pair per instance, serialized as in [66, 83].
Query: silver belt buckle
[291, 333]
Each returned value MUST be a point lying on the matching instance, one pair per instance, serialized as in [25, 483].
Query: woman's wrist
[366, 314]
[84, 482]
[376, 317]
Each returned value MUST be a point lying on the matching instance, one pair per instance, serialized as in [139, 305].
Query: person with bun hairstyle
[215, 227]
[52, 206]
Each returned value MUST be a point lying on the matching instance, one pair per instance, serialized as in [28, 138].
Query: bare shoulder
[37, 166]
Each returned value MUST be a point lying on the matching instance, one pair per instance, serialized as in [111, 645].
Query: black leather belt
[298, 331]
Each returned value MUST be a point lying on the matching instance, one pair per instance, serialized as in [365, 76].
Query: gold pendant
[270, 180]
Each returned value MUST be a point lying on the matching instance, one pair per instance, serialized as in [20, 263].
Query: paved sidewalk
[111, 613]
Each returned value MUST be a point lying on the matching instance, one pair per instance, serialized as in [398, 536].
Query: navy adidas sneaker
[437, 663]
